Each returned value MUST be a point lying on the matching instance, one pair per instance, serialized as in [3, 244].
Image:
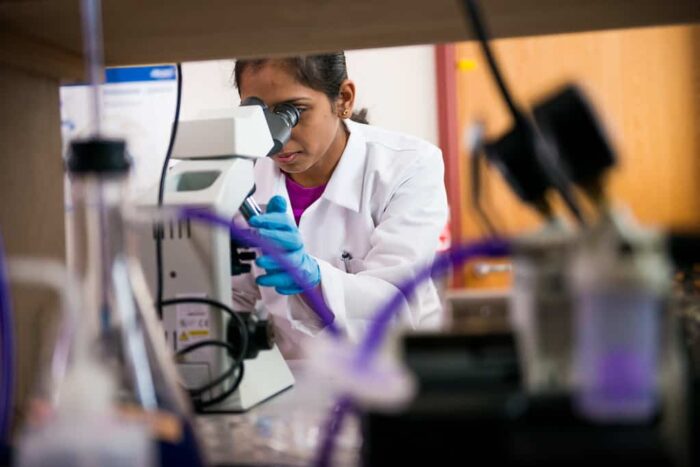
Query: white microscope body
[215, 172]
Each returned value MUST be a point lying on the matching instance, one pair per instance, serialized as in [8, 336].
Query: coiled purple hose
[378, 328]
[6, 351]
[314, 299]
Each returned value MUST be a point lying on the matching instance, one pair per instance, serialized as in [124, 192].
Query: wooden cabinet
[644, 82]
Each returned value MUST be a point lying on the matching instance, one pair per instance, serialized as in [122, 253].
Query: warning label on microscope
[193, 324]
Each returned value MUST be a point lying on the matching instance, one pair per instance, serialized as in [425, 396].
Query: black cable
[224, 395]
[161, 193]
[238, 360]
[223, 377]
[173, 134]
[482, 35]
[559, 180]
[242, 330]
[476, 150]
[476, 194]
[194, 393]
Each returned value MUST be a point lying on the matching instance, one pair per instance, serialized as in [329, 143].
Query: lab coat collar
[345, 186]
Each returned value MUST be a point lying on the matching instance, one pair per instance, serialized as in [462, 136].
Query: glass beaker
[621, 276]
[618, 351]
[542, 307]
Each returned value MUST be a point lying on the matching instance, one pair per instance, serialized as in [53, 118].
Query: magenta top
[301, 197]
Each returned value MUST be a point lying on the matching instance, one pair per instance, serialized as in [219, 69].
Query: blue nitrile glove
[277, 227]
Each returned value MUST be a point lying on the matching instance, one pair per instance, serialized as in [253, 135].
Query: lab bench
[285, 430]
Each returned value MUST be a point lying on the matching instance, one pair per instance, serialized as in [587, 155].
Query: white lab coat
[385, 205]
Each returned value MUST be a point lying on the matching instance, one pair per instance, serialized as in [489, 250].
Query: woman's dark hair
[324, 72]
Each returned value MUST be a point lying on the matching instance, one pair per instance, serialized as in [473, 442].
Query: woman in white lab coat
[358, 208]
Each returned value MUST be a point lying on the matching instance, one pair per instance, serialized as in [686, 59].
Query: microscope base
[265, 376]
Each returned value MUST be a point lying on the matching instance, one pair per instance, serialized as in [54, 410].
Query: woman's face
[319, 137]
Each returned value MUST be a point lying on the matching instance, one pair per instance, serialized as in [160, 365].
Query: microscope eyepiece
[289, 113]
[281, 120]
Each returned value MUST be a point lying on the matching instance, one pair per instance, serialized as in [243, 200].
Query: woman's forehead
[274, 83]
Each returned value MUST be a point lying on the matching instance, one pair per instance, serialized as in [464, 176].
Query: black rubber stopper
[98, 156]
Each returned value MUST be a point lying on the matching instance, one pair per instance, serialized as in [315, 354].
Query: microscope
[216, 154]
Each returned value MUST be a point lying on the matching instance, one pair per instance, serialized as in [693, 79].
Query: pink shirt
[302, 197]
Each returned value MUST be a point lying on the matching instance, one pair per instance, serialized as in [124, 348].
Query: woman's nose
[287, 147]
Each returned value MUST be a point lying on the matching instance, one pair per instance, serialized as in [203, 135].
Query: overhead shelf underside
[150, 31]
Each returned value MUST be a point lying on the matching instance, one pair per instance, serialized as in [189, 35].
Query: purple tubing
[455, 256]
[239, 234]
[375, 334]
[6, 352]
[332, 429]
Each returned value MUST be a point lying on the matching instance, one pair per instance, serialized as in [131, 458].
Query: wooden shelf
[150, 31]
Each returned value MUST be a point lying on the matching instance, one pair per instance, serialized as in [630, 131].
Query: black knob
[261, 334]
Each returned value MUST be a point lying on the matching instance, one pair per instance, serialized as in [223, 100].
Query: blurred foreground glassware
[119, 362]
[621, 277]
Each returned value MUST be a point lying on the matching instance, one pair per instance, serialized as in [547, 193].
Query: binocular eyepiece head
[280, 121]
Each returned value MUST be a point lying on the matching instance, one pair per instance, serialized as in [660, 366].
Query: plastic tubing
[239, 234]
[91, 13]
[378, 327]
[453, 257]
[7, 369]
[332, 429]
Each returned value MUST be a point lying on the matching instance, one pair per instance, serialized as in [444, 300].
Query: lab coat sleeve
[404, 241]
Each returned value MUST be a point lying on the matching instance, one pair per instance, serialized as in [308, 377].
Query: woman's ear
[346, 99]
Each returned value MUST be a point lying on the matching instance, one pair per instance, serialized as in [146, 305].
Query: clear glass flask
[117, 330]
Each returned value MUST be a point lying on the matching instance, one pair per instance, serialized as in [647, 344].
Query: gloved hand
[277, 227]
